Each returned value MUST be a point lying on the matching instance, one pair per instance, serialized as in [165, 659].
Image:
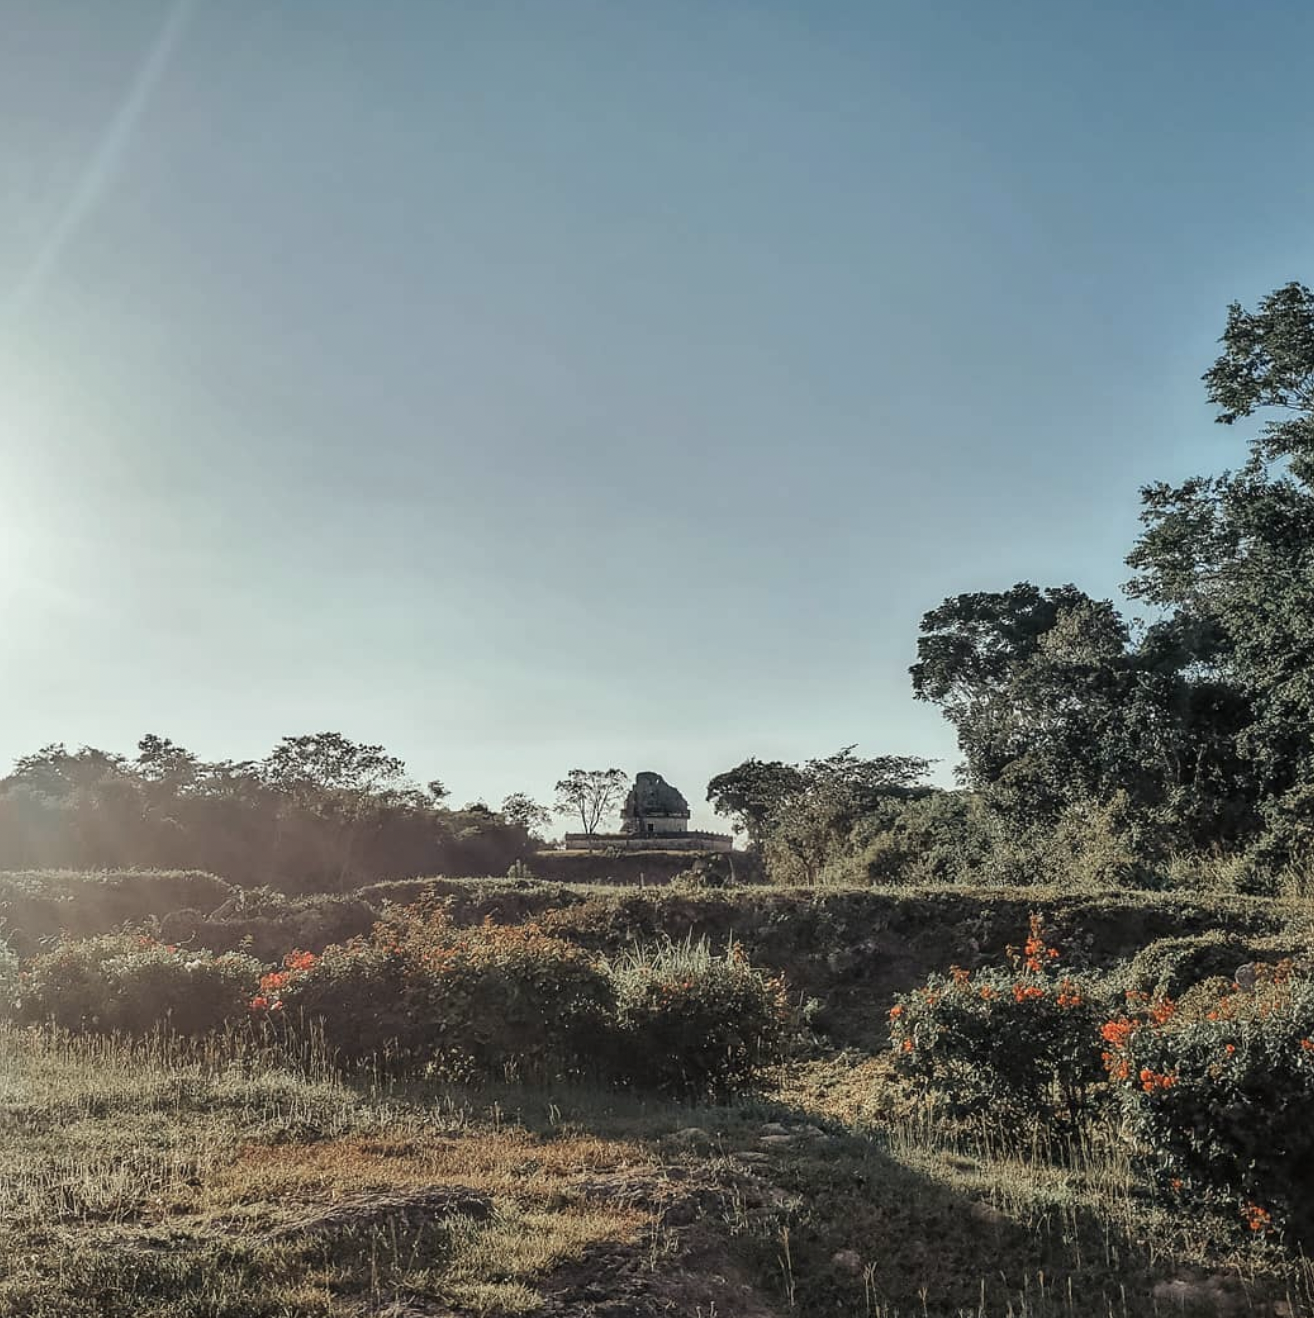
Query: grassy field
[160, 1178]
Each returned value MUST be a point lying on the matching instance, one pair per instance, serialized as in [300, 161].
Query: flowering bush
[490, 1000]
[1217, 1089]
[1023, 1039]
[692, 1022]
[133, 983]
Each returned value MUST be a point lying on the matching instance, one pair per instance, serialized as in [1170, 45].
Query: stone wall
[648, 842]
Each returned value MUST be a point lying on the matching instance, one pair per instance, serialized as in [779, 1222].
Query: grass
[163, 1179]
[210, 1181]
[215, 1180]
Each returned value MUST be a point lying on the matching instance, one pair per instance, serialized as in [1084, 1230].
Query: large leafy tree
[1035, 681]
[750, 793]
[803, 815]
[1233, 556]
[814, 826]
[330, 762]
[524, 812]
[1057, 708]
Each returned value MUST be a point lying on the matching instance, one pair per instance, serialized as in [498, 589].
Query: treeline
[1173, 746]
[318, 812]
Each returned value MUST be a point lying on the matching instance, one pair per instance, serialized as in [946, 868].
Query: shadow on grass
[855, 1221]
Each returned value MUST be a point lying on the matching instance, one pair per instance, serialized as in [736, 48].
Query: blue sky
[532, 385]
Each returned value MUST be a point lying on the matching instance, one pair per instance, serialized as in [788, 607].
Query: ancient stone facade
[654, 807]
[655, 817]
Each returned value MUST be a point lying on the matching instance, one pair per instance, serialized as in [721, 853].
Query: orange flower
[259, 1003]
[895, 1012]
[1117, 1032]
[960, 976]
[987, 992]
[1163, 1010]
[1257, 1218]
[1027, 992]
[1231, 1048]
[907, 1045]
[1307, 1044]
[1152, 1080]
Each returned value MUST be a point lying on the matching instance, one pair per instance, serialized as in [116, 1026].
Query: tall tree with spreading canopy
[751, 792]
[1232, 556]
[591, 795]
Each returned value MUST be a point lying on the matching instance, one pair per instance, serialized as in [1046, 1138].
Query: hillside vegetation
[337, 1161]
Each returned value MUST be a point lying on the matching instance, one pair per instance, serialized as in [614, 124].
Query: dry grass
[212, 1182]
[162, 1179]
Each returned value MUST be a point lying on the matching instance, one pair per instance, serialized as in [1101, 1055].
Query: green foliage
[1021, 1040]
[1233, 555]
[942, 837]
[522, 811]
[691, 1022]
[320, 812]
[513, 1001]
[8, 974]
[751, 793]
[492, 1000]
[1219, 1094]
[802, 816]
[1168, 967]
[131, 983]
[590, 795]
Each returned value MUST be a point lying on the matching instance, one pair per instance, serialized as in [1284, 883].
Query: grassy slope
[155, 1182]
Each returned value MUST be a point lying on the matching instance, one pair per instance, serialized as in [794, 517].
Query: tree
[56, 771]
[1035, 683]
[814, 825]
[328, 761]
[859, 784]
[751, 792]
[1233, 556]
[802, 816]
[1057, 709]
[160, 760]
[524, 812]
[592, 794]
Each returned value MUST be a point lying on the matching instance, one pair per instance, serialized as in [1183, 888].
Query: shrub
[1022, 1039]
[45, 904]
[268, 922]
[1170, 966]
[943, 837]
[491, 1000]
[1218, 1091]
[691, 1022]
[8, 975]
[705, 874]
[134, 984]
